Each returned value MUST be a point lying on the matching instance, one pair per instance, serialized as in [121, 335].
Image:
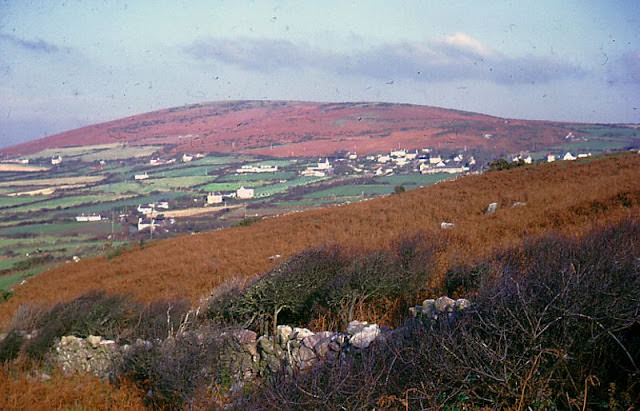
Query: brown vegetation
[24, 390]
[566, 197]
[289, 128]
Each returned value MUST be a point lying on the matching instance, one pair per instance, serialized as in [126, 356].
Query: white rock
[364, 337]
[301, 333]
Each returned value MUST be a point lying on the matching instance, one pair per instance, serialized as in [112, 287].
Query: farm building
[143, 176]
[56, 160]
[214, 198]
[87, 218]
[244, 193]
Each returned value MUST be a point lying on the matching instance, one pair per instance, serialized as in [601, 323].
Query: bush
[554, 325]
[10, 346]
[172, 372]
[94, 313]
[326, 282]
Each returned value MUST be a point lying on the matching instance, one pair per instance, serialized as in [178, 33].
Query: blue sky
[68, 63]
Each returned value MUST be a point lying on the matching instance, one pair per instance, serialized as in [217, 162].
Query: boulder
[491, 208]
[444, 304]
[462, 304]
[283, 333]
[301, 333]
[446, 226]
[365, 336]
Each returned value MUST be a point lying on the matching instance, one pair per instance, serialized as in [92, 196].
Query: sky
[69, 63]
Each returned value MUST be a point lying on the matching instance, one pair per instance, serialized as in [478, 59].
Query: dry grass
[22, 390]
[569, 198]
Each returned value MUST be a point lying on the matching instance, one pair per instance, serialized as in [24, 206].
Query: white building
[244, 193]
[528, 160]
[312, 172]
[568, 156]
[398, 153]
[187, 158]
[352, 156]
[143, 176]
[56, 160]
[384, 159]
[324, 165]
[264, 168]
[214, 198]
[435, 160]
[551, 158]
[87, 218]
[146, 210]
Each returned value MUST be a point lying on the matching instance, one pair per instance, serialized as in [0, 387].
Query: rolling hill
[305, 129]
[568, 197]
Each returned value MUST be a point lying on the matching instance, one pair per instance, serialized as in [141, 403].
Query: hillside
[288, 128]
[554, 198]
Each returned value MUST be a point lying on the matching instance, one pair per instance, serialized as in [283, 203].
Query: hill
[568, 197]
[305, 129]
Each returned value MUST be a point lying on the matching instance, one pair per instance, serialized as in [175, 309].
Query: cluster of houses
[425, 162]
[241, 194]
[321, 170]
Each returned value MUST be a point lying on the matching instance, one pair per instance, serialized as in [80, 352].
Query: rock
[355, 326]
[94, 340]
[283, 334]
[311, 340]
[246, 337]
[334, 346]
[306, 357]
[265, 345]
[444, 304]
[491, 208]
[301, 333]
[518, 204]
[322, 347]
[365, 336]
[462, 304]
[428, 307]
[445, 225]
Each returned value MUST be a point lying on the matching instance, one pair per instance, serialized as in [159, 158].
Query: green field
[353, 190]
[283, 187]
[413, 179]
[280, 175]
[16, 201]
[230, 186]
[64, 202]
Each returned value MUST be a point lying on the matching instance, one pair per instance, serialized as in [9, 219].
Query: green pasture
[230, 186]
[283, 187]
[64, 202]
[353, 190]
[128, 202]
[413, 179]
[6, 202]
[280, 175]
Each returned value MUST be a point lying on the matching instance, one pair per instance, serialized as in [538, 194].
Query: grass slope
[568, 197]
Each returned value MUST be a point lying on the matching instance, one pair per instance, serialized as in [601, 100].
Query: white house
[398, 153]
[56, 160]
[264, 168]
[143, 176]
[214, 198]
[384, 159]
[143, 224]
[435, 160]
[411, 156]
[528, 160]
[312, 172]
[584, 155]
[244, 193]
[352, 156]
[146, 210]
[324, 165]
[87, 218]
[186, 158]
[551, 158]
[568, 156]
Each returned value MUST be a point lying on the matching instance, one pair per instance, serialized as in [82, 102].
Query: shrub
[554, 325]
[173, 371]
[94, 313]
[158, 320]
[10, 346]
[327, 282]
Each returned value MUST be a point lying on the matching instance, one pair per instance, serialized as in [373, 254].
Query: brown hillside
[287, 128]
[567, 196]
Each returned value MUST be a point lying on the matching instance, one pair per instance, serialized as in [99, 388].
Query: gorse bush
[555, 325]
[327, 282]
